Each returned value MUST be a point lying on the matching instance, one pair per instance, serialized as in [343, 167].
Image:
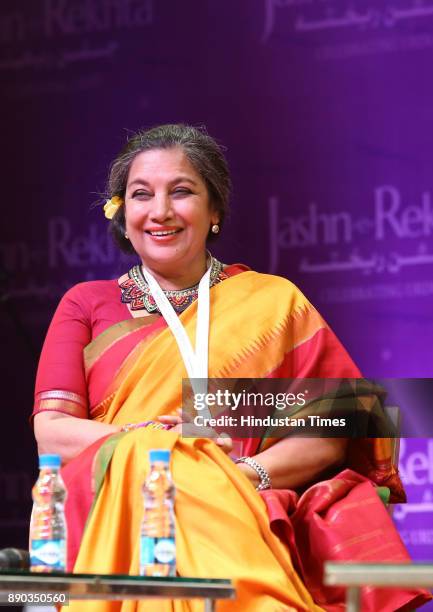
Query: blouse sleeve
[60, 381]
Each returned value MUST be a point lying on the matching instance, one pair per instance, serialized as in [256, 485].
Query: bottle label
[157, 550]
[50, 553]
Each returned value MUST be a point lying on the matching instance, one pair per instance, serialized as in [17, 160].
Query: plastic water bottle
[48, 524]
[157, 538]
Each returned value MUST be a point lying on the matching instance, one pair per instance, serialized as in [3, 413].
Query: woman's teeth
[164, 233]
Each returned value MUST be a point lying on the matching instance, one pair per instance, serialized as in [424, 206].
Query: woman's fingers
[184, 415]
[169, 419]
[173, 419]
[181, 423]
[225, 443]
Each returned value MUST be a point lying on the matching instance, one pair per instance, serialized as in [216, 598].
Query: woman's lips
[163, 235]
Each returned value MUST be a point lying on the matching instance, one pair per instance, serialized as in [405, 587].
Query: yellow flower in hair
[112, 206]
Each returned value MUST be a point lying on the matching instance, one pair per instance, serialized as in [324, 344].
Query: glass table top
[114, 586]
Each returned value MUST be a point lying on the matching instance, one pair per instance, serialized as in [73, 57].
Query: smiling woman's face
[168, 213]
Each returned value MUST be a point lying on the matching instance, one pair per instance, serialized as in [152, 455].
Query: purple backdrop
[325, 108]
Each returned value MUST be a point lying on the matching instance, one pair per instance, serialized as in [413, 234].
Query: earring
[126, 236]
[215, 229]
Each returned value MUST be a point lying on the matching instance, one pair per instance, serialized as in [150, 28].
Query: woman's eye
[140, 193]
[182, 190]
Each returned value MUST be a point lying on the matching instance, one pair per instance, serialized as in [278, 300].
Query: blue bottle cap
[159, 455]
[50, 461]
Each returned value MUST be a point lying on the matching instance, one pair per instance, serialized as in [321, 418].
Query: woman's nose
[161, 209]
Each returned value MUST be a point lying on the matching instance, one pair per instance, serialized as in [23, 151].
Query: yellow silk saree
[261, 326]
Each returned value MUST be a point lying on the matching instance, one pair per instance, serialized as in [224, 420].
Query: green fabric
[101, 463]
[358, 400]
[384, 494]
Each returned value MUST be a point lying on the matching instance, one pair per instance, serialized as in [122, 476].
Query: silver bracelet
[265, 481]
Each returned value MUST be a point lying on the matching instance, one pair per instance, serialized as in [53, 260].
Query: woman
[110, 378]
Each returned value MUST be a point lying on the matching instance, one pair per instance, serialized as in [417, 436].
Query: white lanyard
[196, 362]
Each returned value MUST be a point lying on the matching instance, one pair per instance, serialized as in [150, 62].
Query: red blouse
[84, 312]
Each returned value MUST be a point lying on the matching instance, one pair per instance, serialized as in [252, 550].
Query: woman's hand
[66, 435]
[174, 420]
[179, 422]
[295, 462]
